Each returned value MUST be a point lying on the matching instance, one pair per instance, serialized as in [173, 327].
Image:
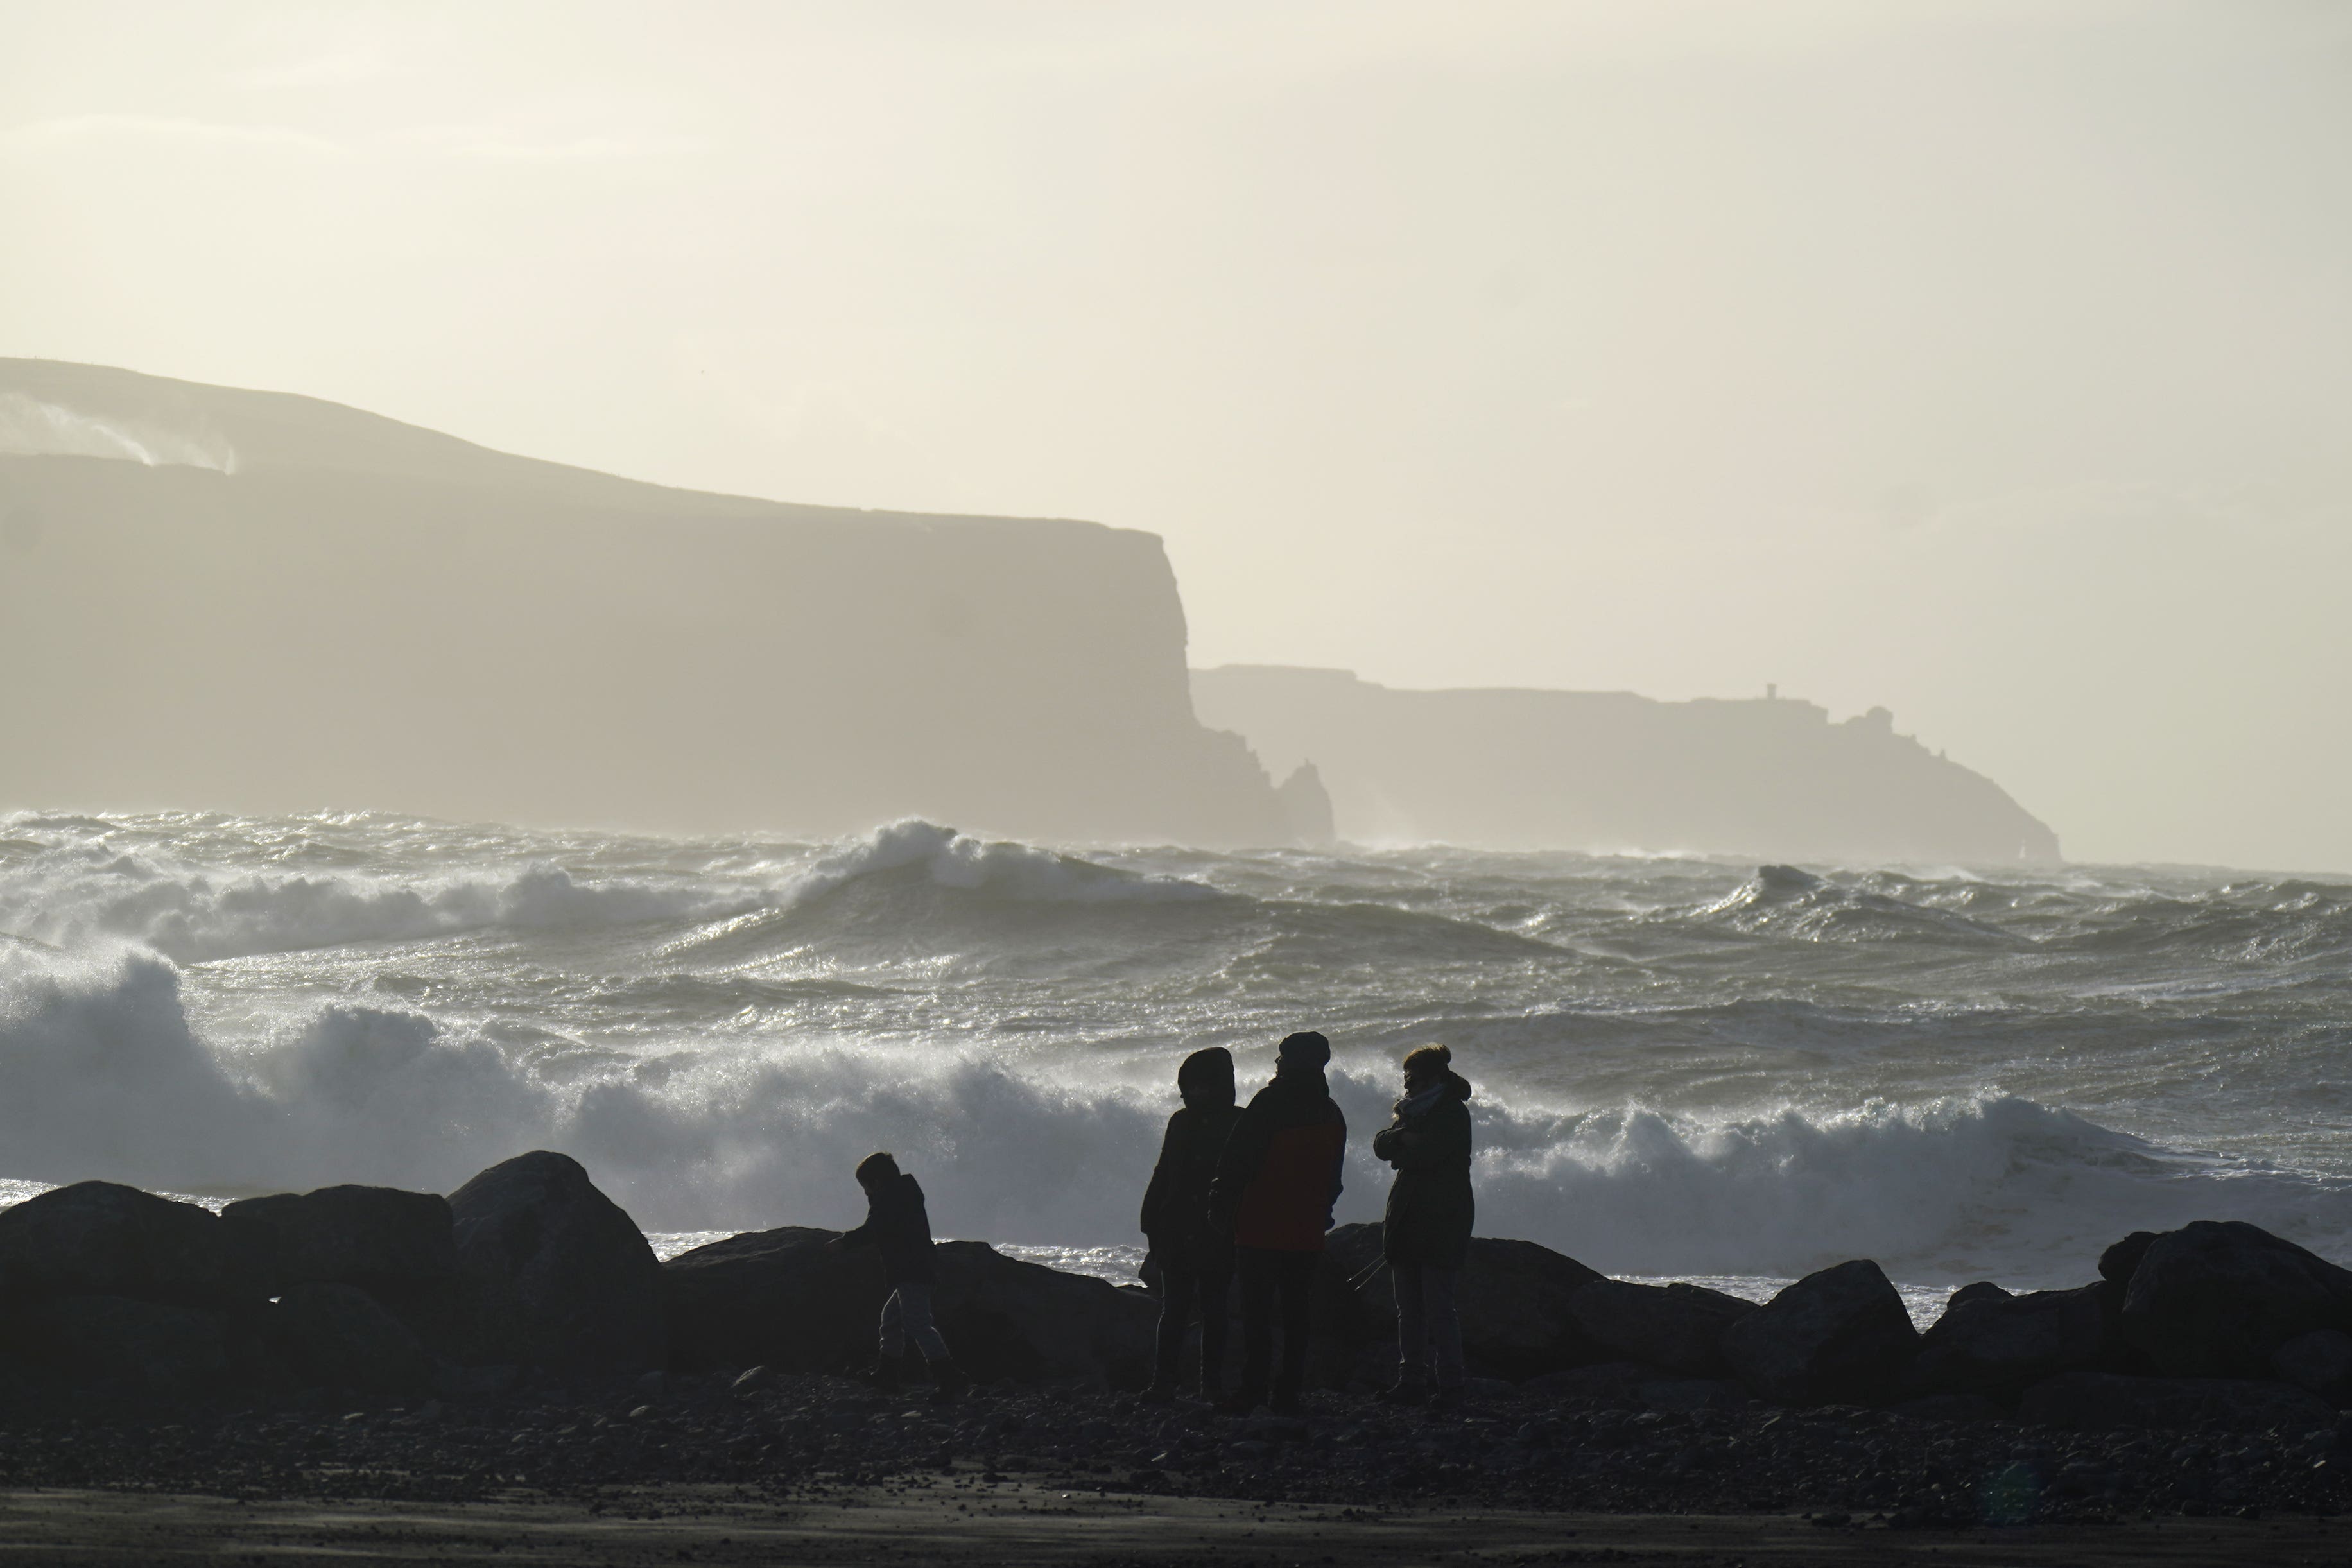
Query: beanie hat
[1304, 1049]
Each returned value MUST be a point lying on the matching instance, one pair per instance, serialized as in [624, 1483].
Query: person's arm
[1164, 1175]
[863, 1236]
[1339, 1167]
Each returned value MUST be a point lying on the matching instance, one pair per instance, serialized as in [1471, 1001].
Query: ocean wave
[101, 1074]
[1786, 902]
[81, 893]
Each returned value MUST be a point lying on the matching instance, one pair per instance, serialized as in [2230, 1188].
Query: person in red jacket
[1276, 1186]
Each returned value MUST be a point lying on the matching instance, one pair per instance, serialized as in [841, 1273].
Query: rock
[1998, 1345]
[1676, 1328]
[338, 1336]
[1984, 1290]
[2118, 1262]
[2320, 1361]
[388, 1242]
[1690, 1394]
[129, 1346]
[1840, 1334]
[1513, 1296]
[453, 1382]
[2217, 1298]
[563, 1278]
[777, 1298]
[2097, 1401]
[1951, 1408]
[753, 1381]
[1609, 1382]
[101, 1238]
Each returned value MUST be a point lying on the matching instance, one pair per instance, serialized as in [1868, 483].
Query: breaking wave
[103, 1075]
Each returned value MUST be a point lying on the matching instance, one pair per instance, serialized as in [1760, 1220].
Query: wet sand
[966, 1520]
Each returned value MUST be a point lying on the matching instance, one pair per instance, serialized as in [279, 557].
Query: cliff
[256, 602]
[1610, 770]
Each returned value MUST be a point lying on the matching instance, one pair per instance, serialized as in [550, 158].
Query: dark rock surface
[338, 1336]
[1514, 1297]
[1840, 1334]
[142, 1349]
[386, 1241]
[777, 1299]
[1996, 1345]
[562, 1276]
[2319, 1361]
[2095, 1401]
[1677, 1327]
[97, 1237]
[2118, 1262]
[2218, 1298]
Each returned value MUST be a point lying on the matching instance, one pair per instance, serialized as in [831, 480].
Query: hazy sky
[1990, 360]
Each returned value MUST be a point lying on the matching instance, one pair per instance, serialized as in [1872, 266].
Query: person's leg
[1256, 1270]
[1412, 1384]
[1177, 1287]
[915, 1307]
[890, 1345]
[1439, 1289]
[1297, 1287]
[1215, 1288]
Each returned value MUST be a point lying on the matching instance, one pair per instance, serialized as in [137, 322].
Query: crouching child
[899, 1228]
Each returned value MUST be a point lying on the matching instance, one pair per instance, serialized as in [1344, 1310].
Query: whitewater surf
[1685, 1068]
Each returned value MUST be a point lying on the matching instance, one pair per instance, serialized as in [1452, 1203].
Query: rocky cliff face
[1611, 770]
[254, 602]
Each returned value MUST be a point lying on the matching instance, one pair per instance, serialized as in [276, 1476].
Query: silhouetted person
[1195, 1259]
[1426, 1235]
[899, 1228]
[1275, 1189]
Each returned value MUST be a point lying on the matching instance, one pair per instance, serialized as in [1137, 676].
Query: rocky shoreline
[518, 1338]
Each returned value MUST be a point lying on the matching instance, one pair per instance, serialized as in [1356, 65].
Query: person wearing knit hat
[1193, 1259]
[1426, 1235]
[1276, 1185]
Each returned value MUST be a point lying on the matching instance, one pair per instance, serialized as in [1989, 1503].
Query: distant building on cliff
[1771, 777]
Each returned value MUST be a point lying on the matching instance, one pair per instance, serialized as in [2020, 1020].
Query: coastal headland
[384, 1376]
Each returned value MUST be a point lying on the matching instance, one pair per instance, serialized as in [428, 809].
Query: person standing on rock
[899, 1228]
[1426, 1233]
[1195, 1260]
[1277, 1184]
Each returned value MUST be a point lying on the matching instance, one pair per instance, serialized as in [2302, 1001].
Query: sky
[1991, 362]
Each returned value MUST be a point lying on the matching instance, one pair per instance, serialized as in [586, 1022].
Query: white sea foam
[101, 1075]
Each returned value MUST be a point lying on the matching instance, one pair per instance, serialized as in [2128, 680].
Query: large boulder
[102, 1239]
[2118, 1262]
[126, 1346]
[560, 1277]
[2320, 1361]
[777, 1299]
[1677, 1327]
[334, 1336]
[1837, 1336]
[1993, 1343]
[1513, 1296]
[387, 1242]
[2099, 1401]
[2218, 1298]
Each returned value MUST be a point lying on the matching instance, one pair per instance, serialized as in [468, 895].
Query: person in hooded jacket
[1195, 1261]
[899, 1227]
[1426, 1233]
[1277, 1184]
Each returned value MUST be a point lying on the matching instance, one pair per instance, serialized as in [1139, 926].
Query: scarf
[1421, 1105]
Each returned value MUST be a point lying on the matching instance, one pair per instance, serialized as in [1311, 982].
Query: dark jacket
[901, 1227]
[1279, 1176]
[1430, 1209]
[1176, 1203]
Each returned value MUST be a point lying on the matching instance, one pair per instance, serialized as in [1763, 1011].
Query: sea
[1685, 1068]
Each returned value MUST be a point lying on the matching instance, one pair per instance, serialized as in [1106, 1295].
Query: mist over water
[1683, 1067]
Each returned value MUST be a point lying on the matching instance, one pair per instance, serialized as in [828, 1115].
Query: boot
[1240, 1402]
[1158, 1393]
[948, 1381]
[1407, 1390]
[886, 1373]
[1447, 1399]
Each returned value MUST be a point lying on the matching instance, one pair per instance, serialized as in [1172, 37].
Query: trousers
[1179, 1288]
[907, 1315]
[1267, 1274]
[1429, 1323]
